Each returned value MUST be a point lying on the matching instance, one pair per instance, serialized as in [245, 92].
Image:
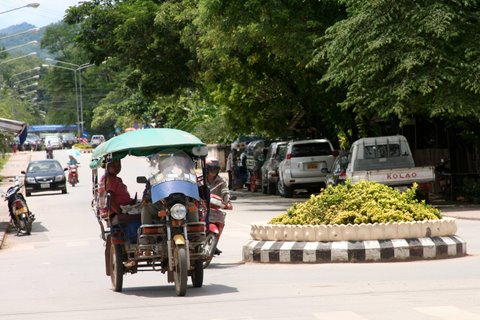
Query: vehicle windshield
[44, 167]
[172, 165]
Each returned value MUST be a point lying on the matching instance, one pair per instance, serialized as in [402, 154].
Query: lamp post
[16, 58]
[23, 80]
[33, 30]
[19, 46]
[77, 70]
[30, 5]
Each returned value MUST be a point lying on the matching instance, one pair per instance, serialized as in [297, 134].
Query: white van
[97, 139]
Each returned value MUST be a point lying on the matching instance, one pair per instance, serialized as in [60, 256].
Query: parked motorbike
[444, 178]
[21, 216]
[72, 174]
[214, 227]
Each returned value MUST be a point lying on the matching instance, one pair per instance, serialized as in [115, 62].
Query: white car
[54, 141]
[97, 139]
[305, 166]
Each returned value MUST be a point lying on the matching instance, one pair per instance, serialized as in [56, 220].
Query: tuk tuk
[164, 231]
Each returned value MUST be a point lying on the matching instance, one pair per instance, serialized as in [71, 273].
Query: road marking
[448, 312]
[338, 315]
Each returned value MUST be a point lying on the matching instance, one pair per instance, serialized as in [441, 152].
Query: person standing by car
[229, 167]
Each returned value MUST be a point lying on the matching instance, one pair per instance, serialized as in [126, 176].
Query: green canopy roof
[145, 142]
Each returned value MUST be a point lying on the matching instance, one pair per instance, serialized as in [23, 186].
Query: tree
[253, 57]
[398, 59]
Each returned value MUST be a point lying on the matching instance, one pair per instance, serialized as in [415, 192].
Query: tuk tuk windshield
[172, 165]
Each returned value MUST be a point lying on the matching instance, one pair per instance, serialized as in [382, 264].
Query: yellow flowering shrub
[364, 202]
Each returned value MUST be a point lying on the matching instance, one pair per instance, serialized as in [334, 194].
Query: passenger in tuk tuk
[115, 186]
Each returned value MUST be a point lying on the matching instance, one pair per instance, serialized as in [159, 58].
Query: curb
[354, 251]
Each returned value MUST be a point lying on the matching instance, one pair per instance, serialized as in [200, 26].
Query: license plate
[45, 185]
[312, 165]
[21, 210]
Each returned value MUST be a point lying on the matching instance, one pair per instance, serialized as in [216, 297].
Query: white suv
[305, 166]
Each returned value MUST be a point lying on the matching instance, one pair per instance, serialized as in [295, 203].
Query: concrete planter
[262, 231]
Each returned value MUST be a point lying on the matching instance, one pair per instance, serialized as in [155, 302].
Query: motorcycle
[49, 153]
[72, 174]
[164, 232]
[21, 216]
[214, 227]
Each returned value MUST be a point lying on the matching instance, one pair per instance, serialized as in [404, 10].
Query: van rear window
[311, 149]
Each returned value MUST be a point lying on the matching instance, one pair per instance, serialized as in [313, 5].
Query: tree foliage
[405, 58]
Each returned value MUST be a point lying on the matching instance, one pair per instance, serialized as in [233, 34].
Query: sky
[49, 11]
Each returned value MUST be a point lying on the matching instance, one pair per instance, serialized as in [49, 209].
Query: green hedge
[364, 202]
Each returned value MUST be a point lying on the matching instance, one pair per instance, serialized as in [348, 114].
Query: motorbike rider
[49, 150]
[217, 185]
[72, 161]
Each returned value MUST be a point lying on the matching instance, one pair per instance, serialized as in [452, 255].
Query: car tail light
[335, 153]
[342, 175]
[288, 156]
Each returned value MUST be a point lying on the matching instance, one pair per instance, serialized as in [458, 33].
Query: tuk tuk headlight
[178, 211]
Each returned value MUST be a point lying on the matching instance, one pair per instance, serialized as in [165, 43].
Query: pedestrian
[229, 167]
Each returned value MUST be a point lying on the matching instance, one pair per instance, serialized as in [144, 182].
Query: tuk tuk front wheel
[197, 274]
[180, 275]
[116, 267]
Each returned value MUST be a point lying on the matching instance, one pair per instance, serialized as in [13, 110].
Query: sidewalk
[18, 161]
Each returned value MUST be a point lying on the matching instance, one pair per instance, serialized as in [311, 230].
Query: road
[58, 273]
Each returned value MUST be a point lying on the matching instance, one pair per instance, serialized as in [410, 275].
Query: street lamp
[26, 71]
[33, 30]
[19, 46]
[16, 58]
[23, 80]
[30, 5]
[77, 70]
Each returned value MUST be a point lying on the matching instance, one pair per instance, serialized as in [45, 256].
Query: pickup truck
[388, 160]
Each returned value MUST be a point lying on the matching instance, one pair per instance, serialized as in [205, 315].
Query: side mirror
[142, 179]
[22, 172]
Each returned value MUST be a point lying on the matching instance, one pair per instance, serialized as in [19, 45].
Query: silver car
[275, 153]
[305, 166]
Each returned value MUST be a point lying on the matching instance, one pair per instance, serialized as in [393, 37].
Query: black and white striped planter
[354, 243]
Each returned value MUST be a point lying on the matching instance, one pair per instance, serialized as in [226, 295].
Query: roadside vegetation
[364, 202]
[220, 69]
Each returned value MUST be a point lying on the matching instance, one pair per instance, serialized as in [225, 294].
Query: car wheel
[28, 194]
[64, 190]
[271, 188]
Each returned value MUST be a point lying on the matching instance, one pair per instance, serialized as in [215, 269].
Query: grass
[3, 160]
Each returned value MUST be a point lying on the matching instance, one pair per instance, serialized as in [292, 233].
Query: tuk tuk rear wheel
[180, 274]
[197, 274]
[116, 267]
